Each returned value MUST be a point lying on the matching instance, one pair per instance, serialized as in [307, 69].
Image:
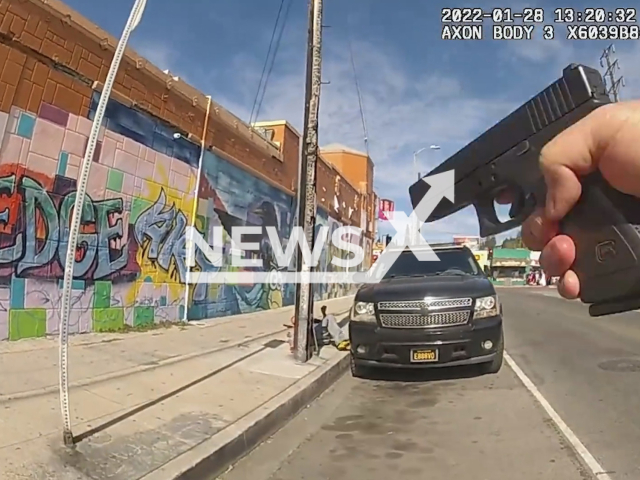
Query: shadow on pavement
[93, 431]
[422, 375]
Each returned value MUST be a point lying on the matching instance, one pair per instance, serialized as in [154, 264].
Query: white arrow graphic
[442, 185]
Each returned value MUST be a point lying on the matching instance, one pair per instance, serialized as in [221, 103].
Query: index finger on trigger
[505, 197]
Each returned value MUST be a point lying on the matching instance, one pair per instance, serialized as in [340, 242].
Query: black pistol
[604, 224]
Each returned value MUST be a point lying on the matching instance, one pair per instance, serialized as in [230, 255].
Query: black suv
[428, 314]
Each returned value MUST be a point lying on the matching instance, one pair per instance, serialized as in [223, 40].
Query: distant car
[426, 314]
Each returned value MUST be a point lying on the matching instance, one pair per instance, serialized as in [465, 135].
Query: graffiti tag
[161, 232]
[41, 236]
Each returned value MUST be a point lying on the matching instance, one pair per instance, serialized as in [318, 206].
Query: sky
[417, 89]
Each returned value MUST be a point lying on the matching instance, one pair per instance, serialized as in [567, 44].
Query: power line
[273, 59]
[355, 78]
[614, 85]
[266, 61]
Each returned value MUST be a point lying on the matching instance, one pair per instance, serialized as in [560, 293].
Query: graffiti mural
[259, 205]
[34, 239]
[160, 230]
[119, 278]
[129, 266]
[325, 291]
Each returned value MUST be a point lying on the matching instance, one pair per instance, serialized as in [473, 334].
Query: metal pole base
[67, 438]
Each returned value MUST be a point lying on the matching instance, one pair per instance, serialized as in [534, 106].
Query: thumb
[569, 155]
[593, 142]
[563, 190]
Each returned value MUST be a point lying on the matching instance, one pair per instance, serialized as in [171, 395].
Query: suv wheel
[495, 365]
[357, 371]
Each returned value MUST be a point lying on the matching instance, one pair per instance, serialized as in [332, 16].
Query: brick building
[130, 267]
[344, 183]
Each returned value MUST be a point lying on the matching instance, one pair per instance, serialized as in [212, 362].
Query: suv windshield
[452, 262]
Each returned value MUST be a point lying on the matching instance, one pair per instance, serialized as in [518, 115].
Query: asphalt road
[458, 425]
[587, 368]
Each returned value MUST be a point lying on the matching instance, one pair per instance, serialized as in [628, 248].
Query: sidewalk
[141, 401]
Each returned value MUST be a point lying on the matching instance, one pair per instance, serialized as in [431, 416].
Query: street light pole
[415, 160]
[416, 226]
[415, 157]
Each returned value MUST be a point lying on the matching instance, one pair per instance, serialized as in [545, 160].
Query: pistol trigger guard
[488, 219]
[517, 206]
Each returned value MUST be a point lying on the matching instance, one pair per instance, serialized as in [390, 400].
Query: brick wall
[52, 54]
[336, 196]
[356, 173]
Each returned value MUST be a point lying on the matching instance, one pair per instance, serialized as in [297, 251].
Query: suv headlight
[486, 307]
[363, 312]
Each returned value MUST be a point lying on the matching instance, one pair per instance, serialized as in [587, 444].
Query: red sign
[466, 240]
[385, 209]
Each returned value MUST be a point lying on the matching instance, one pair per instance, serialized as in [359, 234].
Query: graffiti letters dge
[35, 227]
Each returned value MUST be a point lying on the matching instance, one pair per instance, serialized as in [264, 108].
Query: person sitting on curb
[331, 325]
[326, 330]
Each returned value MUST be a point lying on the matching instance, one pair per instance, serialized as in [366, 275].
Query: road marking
[589, 460]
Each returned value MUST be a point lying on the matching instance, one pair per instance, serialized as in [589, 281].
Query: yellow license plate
[430, 355]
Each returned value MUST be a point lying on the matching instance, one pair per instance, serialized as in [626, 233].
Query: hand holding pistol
[587, 213]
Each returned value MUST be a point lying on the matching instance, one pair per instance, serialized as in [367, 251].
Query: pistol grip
[605, 227]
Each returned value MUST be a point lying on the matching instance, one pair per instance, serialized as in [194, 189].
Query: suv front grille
[430, 304]
[417, 320]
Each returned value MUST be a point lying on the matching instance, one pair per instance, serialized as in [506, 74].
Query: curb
[213, 456]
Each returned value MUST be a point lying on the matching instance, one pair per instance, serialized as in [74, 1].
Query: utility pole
[307, 186]
[613, 85]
